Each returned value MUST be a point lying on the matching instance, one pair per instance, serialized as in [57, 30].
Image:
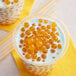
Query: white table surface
[67, 13]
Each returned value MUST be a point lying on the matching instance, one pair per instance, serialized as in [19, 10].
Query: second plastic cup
[9, 13]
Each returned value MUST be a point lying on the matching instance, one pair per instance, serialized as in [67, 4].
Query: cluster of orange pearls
[39, 39]
[7, 2]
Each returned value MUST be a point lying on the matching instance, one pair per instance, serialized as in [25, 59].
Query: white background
[67, 13]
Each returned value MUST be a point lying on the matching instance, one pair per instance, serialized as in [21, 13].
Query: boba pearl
[7, 2]
[20, 46]
[45, 21]
[34, 56]
[57, 33]
[52, 50]
[27, 32]
[48, 31]
[24, 49]
[33, 24]
[21, 41]
[23, 53]
[39, 24]
[38, 59]
[59, 46]
[48, 27]
[43, 60]
[53, 57]
[27, 56]
[26, 25]
[22, 29]
[58, 41]
[53, 24]
[45, 51]
[54, 46]
[53, 29]
[16, 1]
[40, 20]
[43, 56]
[50, 41]
[43, 27]
[22, 35]
[32, 28]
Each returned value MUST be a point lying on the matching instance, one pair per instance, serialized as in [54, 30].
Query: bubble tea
[40, 41]
[10, 11]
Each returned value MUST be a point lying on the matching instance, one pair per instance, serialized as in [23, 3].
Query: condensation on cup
[10, 11]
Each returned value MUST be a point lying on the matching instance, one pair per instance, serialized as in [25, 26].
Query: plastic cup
[10, 13]
[41, 69]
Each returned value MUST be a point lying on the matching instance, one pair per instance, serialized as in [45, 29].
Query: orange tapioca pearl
[59, 46]
[33, 24]
[33, 60]
[23, 53]
[48, 31]
[32, 47]
[43, 27]
[11, 2]
[38, 28]
[52, 50]
[53, 24]
[20, 46]
[44, 34]
[43, 56]
[57, 33]
[38, 59]
[42, 48]
[7, 2]
[30, 41]
[32, 28]
[27, 56]
[52, 34]
[26, 25]
[3, 0]
[21, 41]
[48, 27]
[47, 46]
[22, 35]
[45, 51]
[50, 41]
[58, 41]
[45, 21]
[34, 56]
[25, 41]
[48, 36]
[24, 49]
[53, 29]
[38, 44]
[54, 38]
[16, 1]
[53, 57]
[39, 24]
[43, 60]
[29, 51]
[27, 32]
[54, 46]
[40, 20]
[22, 29]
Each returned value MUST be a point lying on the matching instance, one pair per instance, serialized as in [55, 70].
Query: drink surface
[52, 42]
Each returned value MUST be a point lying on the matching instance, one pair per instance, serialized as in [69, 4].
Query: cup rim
[44, 17]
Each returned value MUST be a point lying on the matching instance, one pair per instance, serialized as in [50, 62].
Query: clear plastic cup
[10, 13]
[41, 69]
